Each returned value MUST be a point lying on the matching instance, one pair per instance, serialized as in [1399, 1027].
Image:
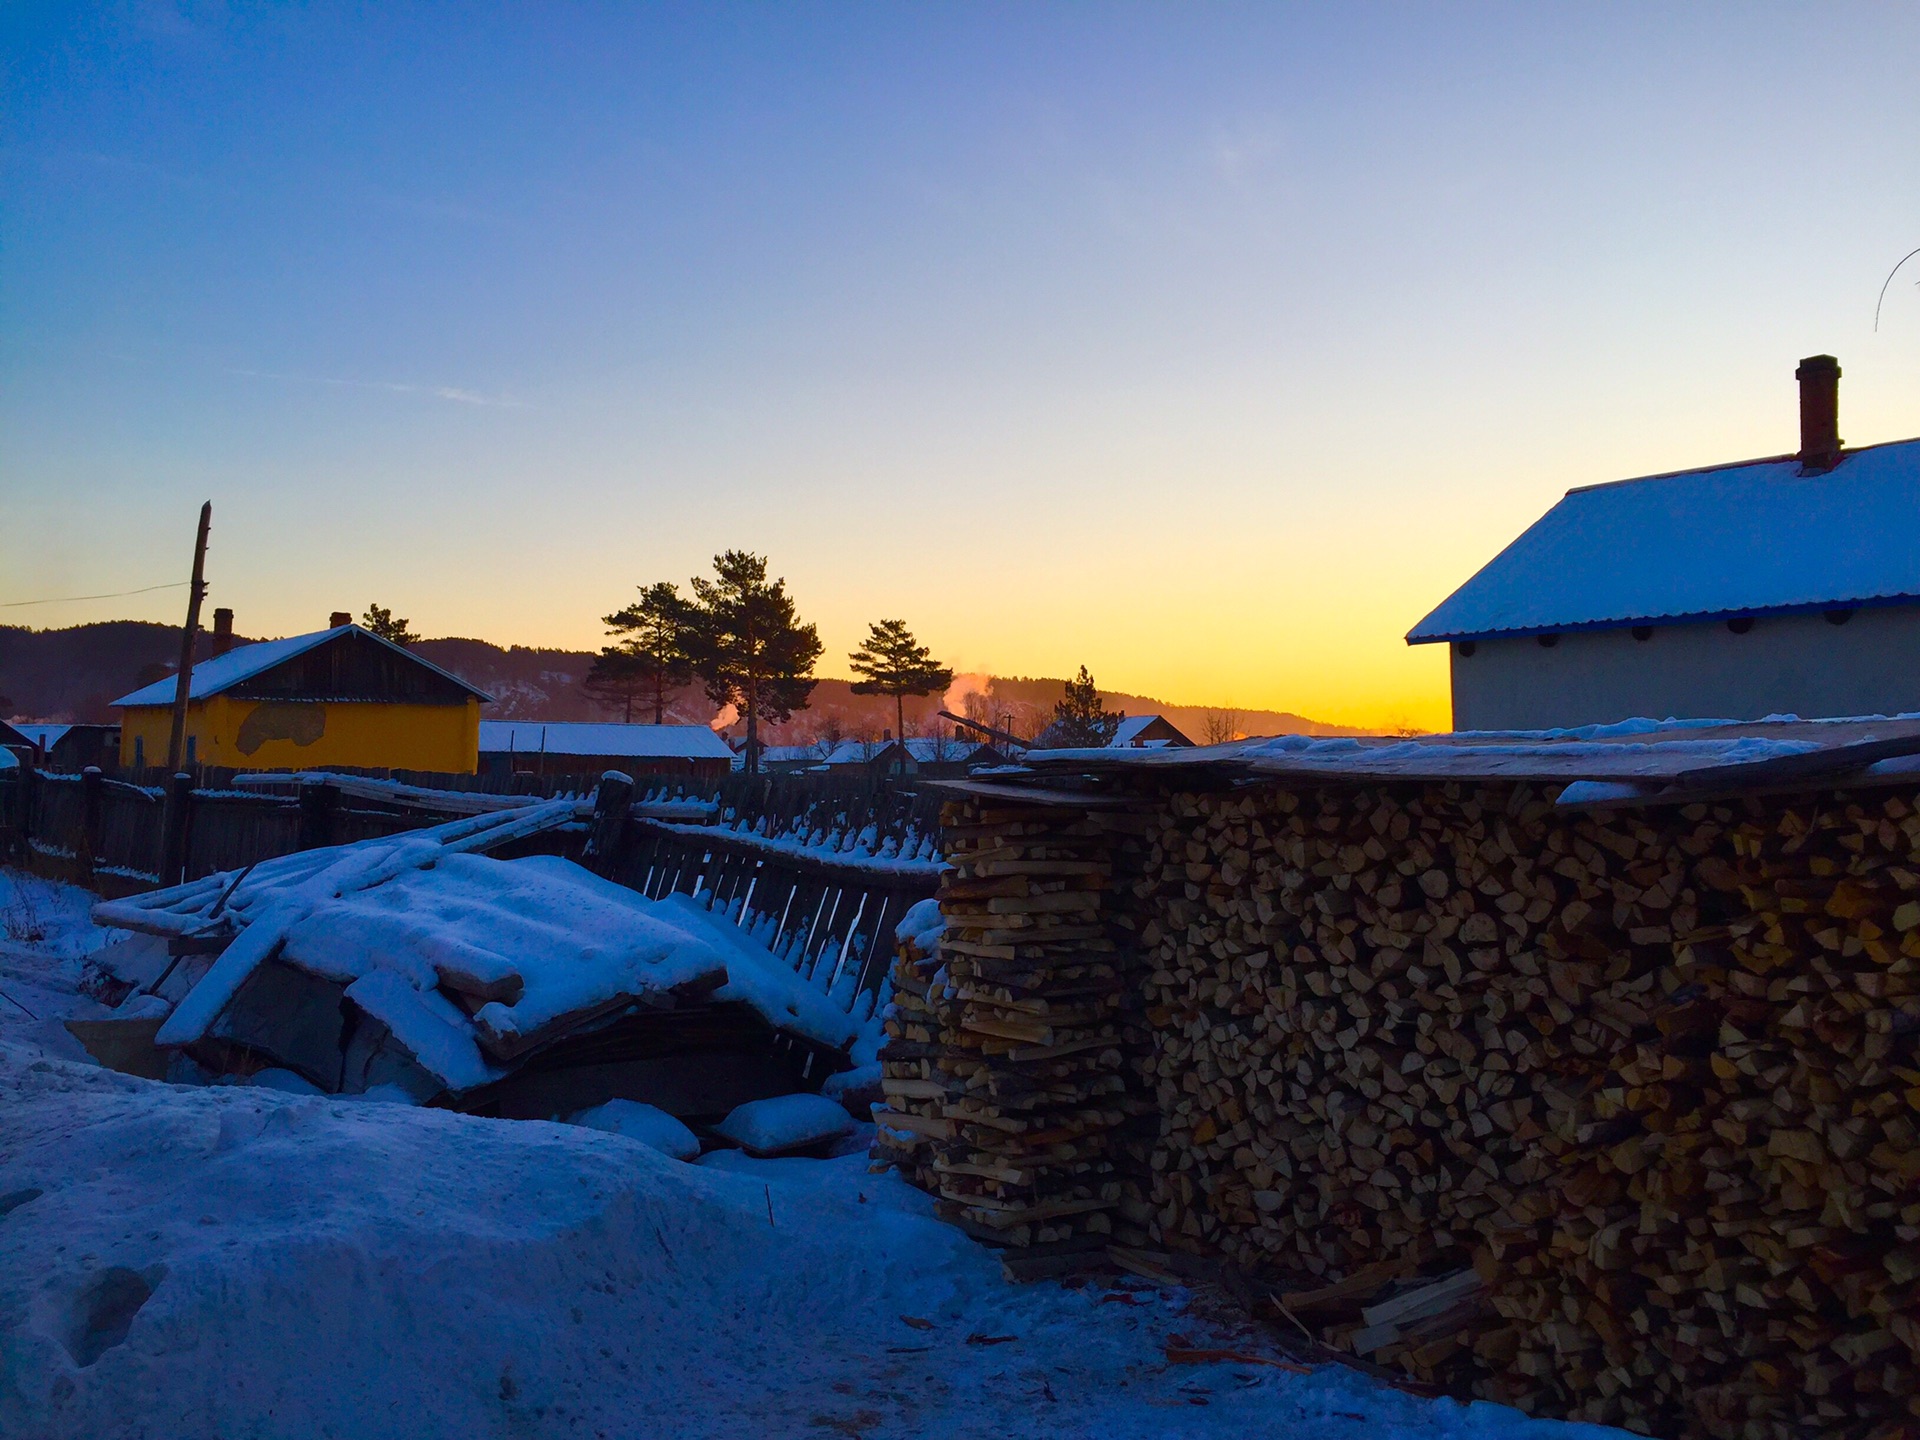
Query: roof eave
[1696, 617]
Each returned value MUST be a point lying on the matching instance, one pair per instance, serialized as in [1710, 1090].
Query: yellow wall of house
[295, 735]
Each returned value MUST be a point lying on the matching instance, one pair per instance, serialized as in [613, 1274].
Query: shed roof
[223, 672]
[1633, 759]
[577, 737]
[40, 733]
[1755, 538]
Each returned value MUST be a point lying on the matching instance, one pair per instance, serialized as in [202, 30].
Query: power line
[115, 595]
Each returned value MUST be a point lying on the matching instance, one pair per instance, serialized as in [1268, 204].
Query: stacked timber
[1005, 1066]
[1369, 1007]
[1730, 1240]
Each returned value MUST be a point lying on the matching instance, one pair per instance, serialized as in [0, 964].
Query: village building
[1782, 586]
[339, 696]
[925, 755]
[65, 747]
[584, 747]
[1147, 732]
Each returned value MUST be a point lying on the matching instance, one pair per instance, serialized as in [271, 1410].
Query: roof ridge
[1846, 453]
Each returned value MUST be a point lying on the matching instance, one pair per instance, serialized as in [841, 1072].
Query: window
[1741, 626]
[1547, 642]
[1643, 632]
[1465, 649]
[139, 752]
[193, 749]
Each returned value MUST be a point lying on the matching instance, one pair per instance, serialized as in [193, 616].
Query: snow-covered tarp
[469, 962]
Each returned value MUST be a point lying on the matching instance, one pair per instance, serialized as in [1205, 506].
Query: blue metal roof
[1755, 538]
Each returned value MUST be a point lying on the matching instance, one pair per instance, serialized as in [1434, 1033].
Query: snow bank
[784, 1123]
[234, 1261]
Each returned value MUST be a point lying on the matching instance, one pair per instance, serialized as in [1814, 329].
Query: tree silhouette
[1080, 721]
[379, 621]
[748, 646]
[892, 662]
[651, 654]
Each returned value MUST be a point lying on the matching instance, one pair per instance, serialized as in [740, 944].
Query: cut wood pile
[1369, 1006]
[1731, 1238]
[1007, 1071]
[1609, 1115]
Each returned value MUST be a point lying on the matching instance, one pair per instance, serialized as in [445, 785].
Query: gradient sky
[1209, 346]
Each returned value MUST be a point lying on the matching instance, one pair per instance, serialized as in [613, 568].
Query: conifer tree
[892, 662]
[748, 645]
[652, 653]
[379, 621]
[1080, 720]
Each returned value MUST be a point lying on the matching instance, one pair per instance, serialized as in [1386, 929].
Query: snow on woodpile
[466, 963]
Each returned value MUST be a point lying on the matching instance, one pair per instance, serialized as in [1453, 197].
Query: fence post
[319, 803]
[92, 808]
[29, 806]
[610, 806]
[173, 841]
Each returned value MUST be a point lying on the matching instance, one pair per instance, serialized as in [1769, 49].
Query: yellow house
[336, 697]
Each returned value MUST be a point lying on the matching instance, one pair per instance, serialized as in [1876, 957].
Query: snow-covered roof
[1750, 539]
[223, 672]
[1132, 727]
[923, 749]
[577, 737]
[43, 735]
[1645, 757]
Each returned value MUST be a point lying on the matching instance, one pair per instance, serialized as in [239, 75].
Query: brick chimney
[222, 630]
[338, 618]
[1819, 377]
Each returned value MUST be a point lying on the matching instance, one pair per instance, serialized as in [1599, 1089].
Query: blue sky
[1207, 345]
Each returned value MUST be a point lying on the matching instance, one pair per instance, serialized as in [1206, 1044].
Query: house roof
[1132, 727]
[39, 733]
[573, 737]
[1755, 538]
[223, 672]
[924, 750]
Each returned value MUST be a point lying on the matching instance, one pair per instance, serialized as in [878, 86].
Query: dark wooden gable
[353, 666]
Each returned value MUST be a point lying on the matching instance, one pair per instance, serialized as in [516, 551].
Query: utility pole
[183, 681]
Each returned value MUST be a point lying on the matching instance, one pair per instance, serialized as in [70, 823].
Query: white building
[1789, 585]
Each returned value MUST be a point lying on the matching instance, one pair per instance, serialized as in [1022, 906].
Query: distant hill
[74, 675]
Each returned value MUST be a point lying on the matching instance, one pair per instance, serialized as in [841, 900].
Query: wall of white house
[1789, 664]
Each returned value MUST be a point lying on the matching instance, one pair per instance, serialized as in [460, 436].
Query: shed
[340, 696]
[580, 747]
[1781, 586]
[67, 747]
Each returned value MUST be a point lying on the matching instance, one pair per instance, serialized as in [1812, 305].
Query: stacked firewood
[1369, 1008]
[1730, 1239]
[1006, 1074]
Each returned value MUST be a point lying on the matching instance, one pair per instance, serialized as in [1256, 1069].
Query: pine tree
[748, 645]
[1080, 721]
[379, 621]
[893, 663]
[615, 680]
[654, 637]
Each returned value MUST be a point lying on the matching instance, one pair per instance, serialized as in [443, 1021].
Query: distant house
[577, 747]
[1148, 732]
[68, 747]
[926, 755]
[1788, 585]
[339, 696]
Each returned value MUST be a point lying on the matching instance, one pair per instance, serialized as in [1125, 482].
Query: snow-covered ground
[235, 1261]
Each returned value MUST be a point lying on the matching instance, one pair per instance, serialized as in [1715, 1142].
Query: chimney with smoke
[222, 630]
[338, 618]
[1819, 377]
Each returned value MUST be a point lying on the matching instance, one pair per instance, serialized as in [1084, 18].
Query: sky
[1209, 346]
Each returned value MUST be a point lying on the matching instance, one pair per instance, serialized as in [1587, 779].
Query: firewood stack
[1006, 1063]
[1731, 1236]
[1369, 1007]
